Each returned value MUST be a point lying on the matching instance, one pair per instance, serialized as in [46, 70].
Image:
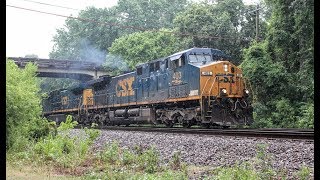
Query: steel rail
[267, 133]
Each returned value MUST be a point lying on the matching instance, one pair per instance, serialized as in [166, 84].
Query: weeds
[259, 168]
[303, 173]
[239, 171]
[111, 153]
[149, 160]
[63, 150]
[176, 162]
[264, 162]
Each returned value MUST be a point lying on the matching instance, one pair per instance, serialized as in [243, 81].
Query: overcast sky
[31, 32]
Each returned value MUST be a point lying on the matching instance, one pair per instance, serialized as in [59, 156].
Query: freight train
[198, 86]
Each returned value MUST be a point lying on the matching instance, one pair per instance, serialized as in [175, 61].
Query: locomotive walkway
[80, 70]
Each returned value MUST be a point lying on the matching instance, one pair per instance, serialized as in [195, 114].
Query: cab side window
[151, 67]
[178, 62]
[157, 65]
[139, 71]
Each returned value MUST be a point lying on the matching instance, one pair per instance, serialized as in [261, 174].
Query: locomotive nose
[221, 79]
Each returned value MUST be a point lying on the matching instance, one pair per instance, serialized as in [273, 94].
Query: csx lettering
[226, 80]
[124, 87]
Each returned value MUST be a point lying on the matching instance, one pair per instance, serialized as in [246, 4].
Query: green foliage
[307, 118]
[154, 14]
[119, 175]
[68, 124]
[145, 46]
[226, 19]
[176, 161]
[63, 150]
[87, 40]
[243, 171]
[303, 173]
[149, 160]
[92, 133]
[264, 162]
[259, 168]
[145, 160]
[280, 69]
[111, 153]
[23, 106]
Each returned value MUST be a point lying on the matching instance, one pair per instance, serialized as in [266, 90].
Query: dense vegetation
[23, 106]
[280, 68]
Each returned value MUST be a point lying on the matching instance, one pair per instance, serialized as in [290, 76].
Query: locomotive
[198, 86]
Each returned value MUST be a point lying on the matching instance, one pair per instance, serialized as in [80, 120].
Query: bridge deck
[81, 70]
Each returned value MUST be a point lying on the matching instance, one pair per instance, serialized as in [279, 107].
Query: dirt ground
[19, 173]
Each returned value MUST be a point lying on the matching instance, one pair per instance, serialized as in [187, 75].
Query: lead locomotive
[198, 86]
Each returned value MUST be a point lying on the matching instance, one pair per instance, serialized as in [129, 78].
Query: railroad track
[268, 133]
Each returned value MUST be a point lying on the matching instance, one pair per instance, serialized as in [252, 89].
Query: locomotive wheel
[169, 124]
[205, 125]
[186, 125]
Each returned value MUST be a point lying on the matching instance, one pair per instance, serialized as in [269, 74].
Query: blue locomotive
[198, 86]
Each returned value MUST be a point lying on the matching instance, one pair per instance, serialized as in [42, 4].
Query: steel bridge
[80, 70]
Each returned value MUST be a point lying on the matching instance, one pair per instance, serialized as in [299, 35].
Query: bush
[149, 160]
[243, 171]
[176, 161]
[303, 173]
[62, 149]
[23, 106]
[307, 118]
[111, 153]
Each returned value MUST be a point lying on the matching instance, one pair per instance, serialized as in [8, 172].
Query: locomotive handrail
[212, 86]
[205, 86]
[202, 94]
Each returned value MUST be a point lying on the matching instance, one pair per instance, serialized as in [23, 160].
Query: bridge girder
[80, 70]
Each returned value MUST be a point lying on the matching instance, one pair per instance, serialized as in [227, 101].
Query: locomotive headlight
[246, 91]
[225, 67]
[224, 91]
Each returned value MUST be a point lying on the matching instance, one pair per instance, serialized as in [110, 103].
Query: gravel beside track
[213, 150]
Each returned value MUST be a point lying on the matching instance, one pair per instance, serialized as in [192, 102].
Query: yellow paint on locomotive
[87, 97]
[217, 76]
[124, 87]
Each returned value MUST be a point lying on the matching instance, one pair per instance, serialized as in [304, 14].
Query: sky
[30, 32]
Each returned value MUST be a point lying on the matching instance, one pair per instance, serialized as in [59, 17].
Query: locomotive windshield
[199, 58]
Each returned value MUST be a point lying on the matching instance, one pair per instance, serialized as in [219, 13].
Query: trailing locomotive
[198, 86]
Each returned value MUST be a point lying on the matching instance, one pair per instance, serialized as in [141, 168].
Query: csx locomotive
[198, 86]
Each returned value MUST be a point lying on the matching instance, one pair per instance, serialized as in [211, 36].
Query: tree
[87, 39]
[149, 14]
[141, 47]
[290, 41]
[215, 20]
[23, 106]
[284, 68]
[90, 38]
